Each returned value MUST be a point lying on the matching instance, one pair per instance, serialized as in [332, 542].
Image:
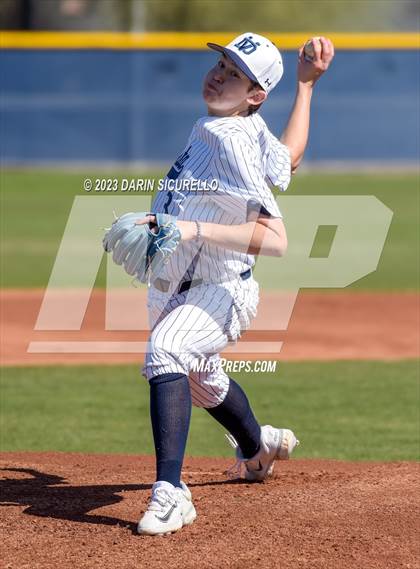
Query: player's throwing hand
[310, 70]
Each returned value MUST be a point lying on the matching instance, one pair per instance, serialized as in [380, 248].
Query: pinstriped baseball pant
[195, 326]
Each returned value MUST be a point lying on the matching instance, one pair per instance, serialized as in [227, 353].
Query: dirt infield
[324, 326]
[74, 510]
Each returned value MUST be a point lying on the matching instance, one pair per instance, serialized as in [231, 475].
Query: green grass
[344, 410]
[35, 206]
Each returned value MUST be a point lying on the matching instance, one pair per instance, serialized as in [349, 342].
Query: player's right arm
[295, 135]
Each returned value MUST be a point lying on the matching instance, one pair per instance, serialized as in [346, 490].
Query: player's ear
[258, 97]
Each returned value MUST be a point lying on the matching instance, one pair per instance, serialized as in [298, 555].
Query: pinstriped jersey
[226, 172]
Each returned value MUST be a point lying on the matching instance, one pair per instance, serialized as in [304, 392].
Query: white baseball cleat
[276, 444]
[169, 510]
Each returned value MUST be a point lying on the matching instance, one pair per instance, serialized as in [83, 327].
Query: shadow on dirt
[46, 495]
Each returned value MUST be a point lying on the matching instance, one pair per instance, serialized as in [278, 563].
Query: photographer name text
[127, 185]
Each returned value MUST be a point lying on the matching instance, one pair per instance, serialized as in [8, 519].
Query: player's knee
[161, 358]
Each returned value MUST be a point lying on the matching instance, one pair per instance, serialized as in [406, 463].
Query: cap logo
[267, 82]
[247, 45]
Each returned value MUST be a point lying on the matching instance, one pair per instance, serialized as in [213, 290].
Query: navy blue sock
[170, 413]
[236, 415]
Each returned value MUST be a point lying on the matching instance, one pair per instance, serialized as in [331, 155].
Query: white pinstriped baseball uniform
[246, 160]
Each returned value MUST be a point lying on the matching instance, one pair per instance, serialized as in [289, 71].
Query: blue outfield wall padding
[141, 105]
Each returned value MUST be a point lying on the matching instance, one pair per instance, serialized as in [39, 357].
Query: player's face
[226, 90]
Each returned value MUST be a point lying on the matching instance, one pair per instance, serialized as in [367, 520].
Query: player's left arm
[295, 135]
[261, 234]
[265, 235]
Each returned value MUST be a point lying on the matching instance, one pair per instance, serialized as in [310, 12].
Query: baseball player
[206, 295]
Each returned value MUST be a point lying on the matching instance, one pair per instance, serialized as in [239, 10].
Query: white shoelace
[160, 499]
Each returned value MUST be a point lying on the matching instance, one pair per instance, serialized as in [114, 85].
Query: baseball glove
[143, 249]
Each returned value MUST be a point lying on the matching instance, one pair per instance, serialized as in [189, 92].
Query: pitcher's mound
[75, 510]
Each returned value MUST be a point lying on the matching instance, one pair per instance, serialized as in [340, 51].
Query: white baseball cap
[256, 56]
